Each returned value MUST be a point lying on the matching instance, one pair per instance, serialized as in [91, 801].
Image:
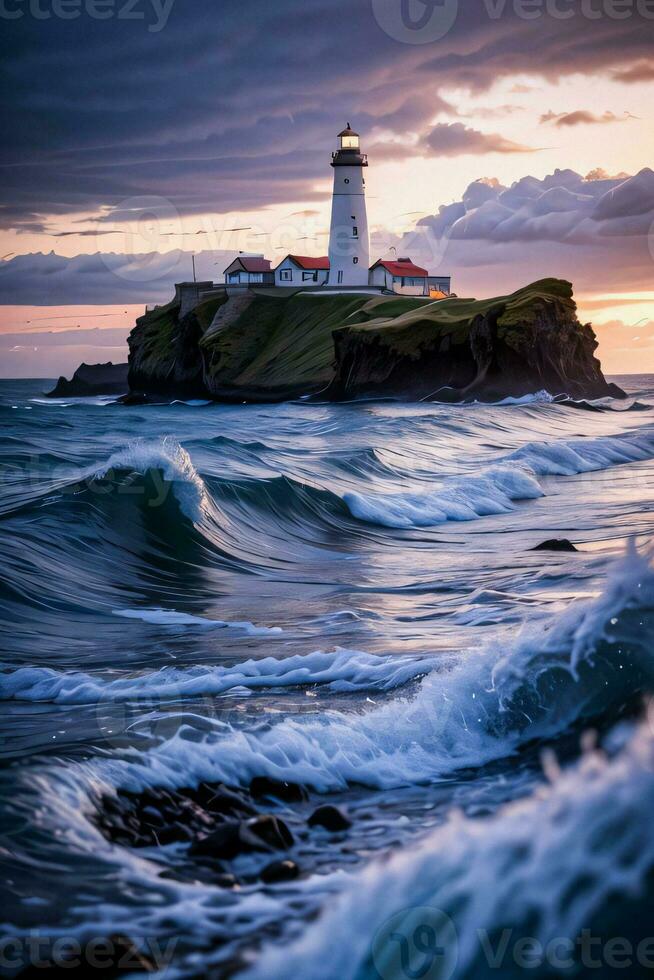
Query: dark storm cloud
[230, 107]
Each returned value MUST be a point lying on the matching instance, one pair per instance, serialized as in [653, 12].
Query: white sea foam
[541, 397]
[168, 457]
[492, 492]
[495, 489]
[170, 617]
[342, 670]
[547, 867]
[484, 708]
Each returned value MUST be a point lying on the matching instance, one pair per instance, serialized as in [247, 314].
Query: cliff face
[265, 346]
[271, 345]
[463, 350]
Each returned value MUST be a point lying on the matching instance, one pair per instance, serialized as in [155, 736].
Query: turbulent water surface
[344, 597]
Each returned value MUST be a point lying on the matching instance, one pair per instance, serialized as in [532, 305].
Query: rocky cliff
[462, 350]
[273, 344]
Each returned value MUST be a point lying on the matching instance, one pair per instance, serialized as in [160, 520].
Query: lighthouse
[349, 246]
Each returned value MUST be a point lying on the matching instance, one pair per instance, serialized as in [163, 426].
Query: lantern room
[348, 139]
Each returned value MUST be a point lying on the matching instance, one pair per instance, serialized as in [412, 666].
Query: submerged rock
[92, 379]
[279, 871]
[330, 817]
[263, 833]
[556, 544]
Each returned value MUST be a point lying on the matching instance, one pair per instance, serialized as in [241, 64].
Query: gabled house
[302, 270]
[400, 276]
[250, 270]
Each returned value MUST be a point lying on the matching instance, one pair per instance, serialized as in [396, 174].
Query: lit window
[349, 142]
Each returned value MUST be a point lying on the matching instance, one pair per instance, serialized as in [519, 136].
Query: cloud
[103, 278]
[597, 232]
[642, 71]
[455, 139]
[220, 113]
[583, 117]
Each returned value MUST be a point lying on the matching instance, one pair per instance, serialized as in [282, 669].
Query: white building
[250, 270]
[302, 270]
[349, 247]
[402, 276]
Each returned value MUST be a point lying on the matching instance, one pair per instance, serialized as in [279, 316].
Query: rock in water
[280, 871]
[330, 817]
[556, 544]
[264, 833]
[92, 379]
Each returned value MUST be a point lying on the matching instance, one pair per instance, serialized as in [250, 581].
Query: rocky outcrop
[464, 350]
[269, 345]
[164, 351]
[92, 379]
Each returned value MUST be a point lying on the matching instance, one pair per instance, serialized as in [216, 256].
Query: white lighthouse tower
[349, 246]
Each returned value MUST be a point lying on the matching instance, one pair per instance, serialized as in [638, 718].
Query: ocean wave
[341, 671]
[173, 462]
[577, 855]
[495, 489]
[586, 663]
[492, 492]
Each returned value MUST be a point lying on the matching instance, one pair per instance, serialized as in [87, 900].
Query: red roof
[309, 262]
[400, 268]
[252, 263]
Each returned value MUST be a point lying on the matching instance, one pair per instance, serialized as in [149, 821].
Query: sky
[508, 140]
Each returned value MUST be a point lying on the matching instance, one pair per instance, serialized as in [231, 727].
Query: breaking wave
[577, 855]
[342, 671]
[494, 490]
[586, 663]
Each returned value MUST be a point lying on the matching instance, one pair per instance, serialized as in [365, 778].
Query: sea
[344, 597]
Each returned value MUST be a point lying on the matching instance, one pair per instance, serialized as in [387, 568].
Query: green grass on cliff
[405, 330]
[281, 341]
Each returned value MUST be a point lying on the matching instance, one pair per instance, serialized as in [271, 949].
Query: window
[347, 180]
[355, 232]
[340, 277]
[310, 276]
[356, 259]
[286, 275]
[349, 142]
